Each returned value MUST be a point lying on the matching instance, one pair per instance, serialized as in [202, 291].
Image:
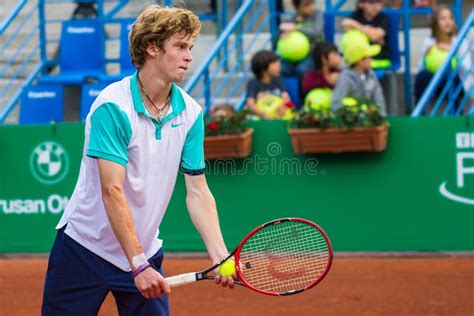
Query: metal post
[458, 12]
[273, 19]
[100, 8]
[406, 34]
[223, 25]
[207, 90]
[42, 34]
[328, 5]
[239, 47]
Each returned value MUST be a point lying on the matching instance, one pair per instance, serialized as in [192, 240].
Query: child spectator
[327, 62]
[359, 80]
[368, 19]
[267, 82]
[444, 30]
[309, 21]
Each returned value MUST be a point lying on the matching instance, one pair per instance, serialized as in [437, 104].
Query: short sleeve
[192, 159]
[278, 82]
[110, 133]
[384, 23]
[252, 89]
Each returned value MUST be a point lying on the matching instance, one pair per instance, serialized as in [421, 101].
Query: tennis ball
[293, 47]
[349, 102]
[435, 58]
[227, 268]
[269, 105]
[319, 99]
[353, 37]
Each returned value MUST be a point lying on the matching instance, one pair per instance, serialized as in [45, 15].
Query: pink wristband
[140, 269]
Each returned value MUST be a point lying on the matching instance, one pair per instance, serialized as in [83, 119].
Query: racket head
[283, 257]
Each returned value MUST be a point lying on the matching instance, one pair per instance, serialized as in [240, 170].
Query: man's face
[371, 8]
[173, 61]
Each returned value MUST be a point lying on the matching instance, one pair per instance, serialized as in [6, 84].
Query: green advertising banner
[416, 196]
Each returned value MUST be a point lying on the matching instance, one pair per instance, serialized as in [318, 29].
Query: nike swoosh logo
[173, 125]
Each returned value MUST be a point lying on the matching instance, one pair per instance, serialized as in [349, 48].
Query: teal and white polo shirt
[120, 129]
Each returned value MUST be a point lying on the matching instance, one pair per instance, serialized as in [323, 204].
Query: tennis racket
[282, 257]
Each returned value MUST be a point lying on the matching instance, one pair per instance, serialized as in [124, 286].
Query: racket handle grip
[181, 279]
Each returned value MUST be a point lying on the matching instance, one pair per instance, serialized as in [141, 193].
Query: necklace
[160, 111]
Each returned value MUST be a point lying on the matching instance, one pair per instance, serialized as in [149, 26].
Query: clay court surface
[354, 286]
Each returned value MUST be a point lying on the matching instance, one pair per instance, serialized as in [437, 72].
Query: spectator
[369, 19]
[443, 35]
[359, 80]
[325, 74]
[85, 10]
[309, 21]
[267, 82]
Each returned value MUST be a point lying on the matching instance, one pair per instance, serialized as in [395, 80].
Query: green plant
[309, 118]
[353, 113]
[223, 121]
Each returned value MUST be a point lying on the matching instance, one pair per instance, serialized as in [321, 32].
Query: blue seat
[42, 104]
[292, 85]
[81, 52]
[89, 93]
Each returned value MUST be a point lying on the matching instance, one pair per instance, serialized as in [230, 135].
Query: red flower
[213, 125]
[289, 104]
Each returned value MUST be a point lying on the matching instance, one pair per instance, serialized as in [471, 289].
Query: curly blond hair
[155, 25]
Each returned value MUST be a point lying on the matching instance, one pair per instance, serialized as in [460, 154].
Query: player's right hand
[152, 284]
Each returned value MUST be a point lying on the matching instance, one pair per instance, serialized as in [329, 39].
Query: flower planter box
[337, 140]
[228, 146]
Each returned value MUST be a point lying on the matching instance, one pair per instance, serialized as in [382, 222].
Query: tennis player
[139, 132]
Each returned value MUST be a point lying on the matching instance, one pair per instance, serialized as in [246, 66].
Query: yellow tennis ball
[227, 268]
[319, 99]
[269, 105]
[293, 47]
[435, 58]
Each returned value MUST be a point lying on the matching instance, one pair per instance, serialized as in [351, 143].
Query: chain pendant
[160, 116]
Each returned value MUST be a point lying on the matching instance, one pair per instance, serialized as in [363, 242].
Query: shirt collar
[177, 101]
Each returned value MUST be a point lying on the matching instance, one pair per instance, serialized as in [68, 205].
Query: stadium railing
[222, 79]
[21, 60]
[448, 95]
[31, 18]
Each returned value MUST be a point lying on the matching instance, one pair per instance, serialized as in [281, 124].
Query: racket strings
[284, 257]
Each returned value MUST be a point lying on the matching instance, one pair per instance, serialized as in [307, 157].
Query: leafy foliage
[226, 121]
[358, 113]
